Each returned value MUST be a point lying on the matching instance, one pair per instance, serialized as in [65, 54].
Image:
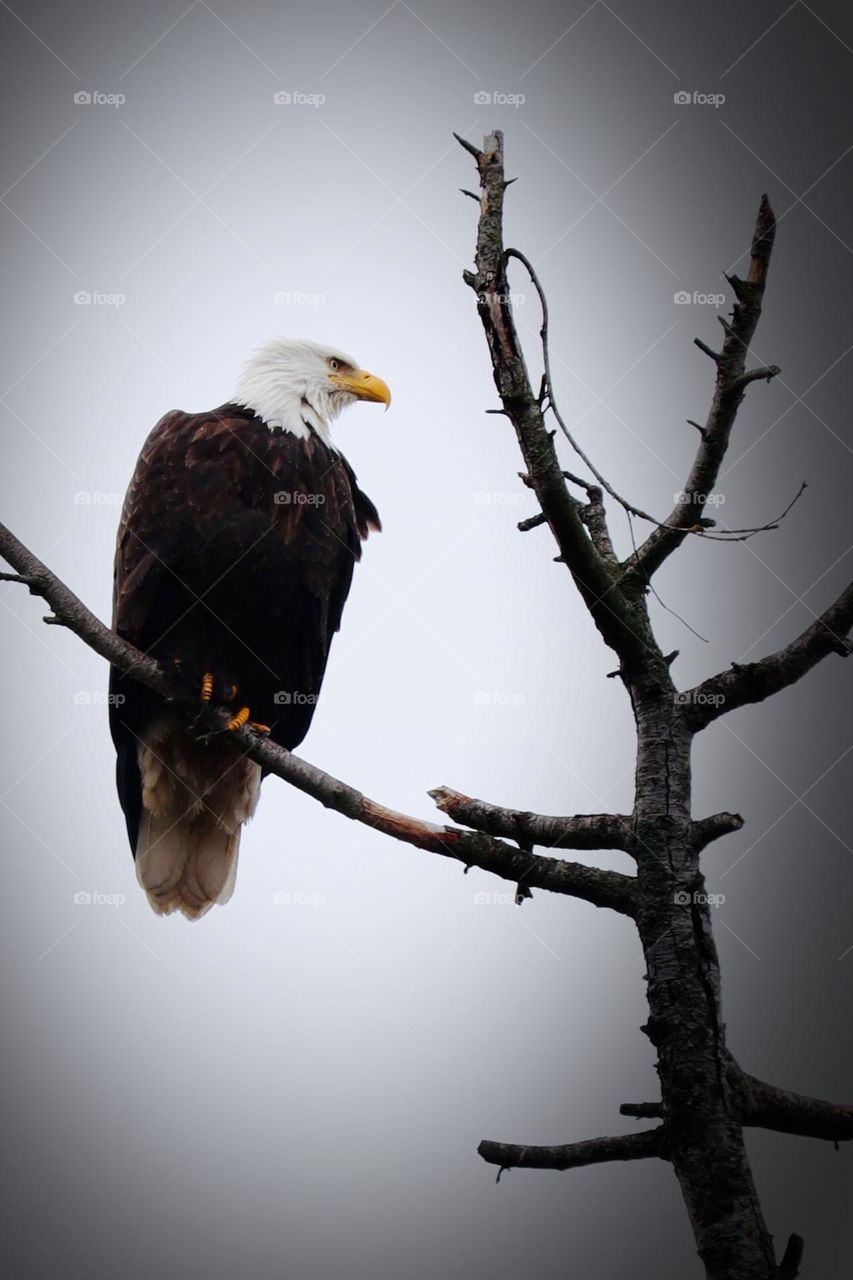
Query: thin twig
[728, 535]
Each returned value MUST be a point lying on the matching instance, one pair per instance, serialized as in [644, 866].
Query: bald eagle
[234, 559]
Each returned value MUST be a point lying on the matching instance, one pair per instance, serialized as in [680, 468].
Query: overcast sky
[297, 1085]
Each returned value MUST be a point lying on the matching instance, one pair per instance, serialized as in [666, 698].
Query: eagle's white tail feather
[195, 800]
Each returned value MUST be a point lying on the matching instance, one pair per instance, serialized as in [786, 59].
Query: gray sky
[299, 1087]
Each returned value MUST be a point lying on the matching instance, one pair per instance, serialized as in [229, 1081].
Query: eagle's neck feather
[286, 404]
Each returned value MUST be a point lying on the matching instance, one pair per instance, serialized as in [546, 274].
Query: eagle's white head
[302, 386]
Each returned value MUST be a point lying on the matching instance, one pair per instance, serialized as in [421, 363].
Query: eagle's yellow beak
[363, 385]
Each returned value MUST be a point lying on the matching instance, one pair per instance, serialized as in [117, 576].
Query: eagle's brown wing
[235, 554]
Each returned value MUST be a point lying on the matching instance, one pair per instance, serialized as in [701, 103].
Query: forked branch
[732, 379]
[621, 626]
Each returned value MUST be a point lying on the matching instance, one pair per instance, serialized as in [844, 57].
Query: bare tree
[706, 1098]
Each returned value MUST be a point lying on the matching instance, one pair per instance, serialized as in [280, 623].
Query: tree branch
[789, 1267]
[706, 830]
[642, 1110]
[621, 626]
[764, 1106]
[582, 831]
[731, 381]
[594, 514]
[752, 682]
[768, 1107]
[574, 1155]
[471, 848]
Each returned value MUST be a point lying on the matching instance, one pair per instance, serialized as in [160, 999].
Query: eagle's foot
[206, 690]
[242, 718]
[210, 693]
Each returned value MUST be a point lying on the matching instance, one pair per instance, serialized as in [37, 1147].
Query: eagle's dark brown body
[235, 555]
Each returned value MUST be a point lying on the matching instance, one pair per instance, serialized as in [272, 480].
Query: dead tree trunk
[706, 1100]
[701, 1108]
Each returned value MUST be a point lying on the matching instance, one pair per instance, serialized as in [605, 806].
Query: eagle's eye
[334, 364]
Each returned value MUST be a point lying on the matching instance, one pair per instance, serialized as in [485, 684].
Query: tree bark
[701, 1097]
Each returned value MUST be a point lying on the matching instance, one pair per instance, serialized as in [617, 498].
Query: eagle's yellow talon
[259, 728]
[207, 686]
[237, 722]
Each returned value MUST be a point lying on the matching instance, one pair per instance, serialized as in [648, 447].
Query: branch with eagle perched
[473, 848]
